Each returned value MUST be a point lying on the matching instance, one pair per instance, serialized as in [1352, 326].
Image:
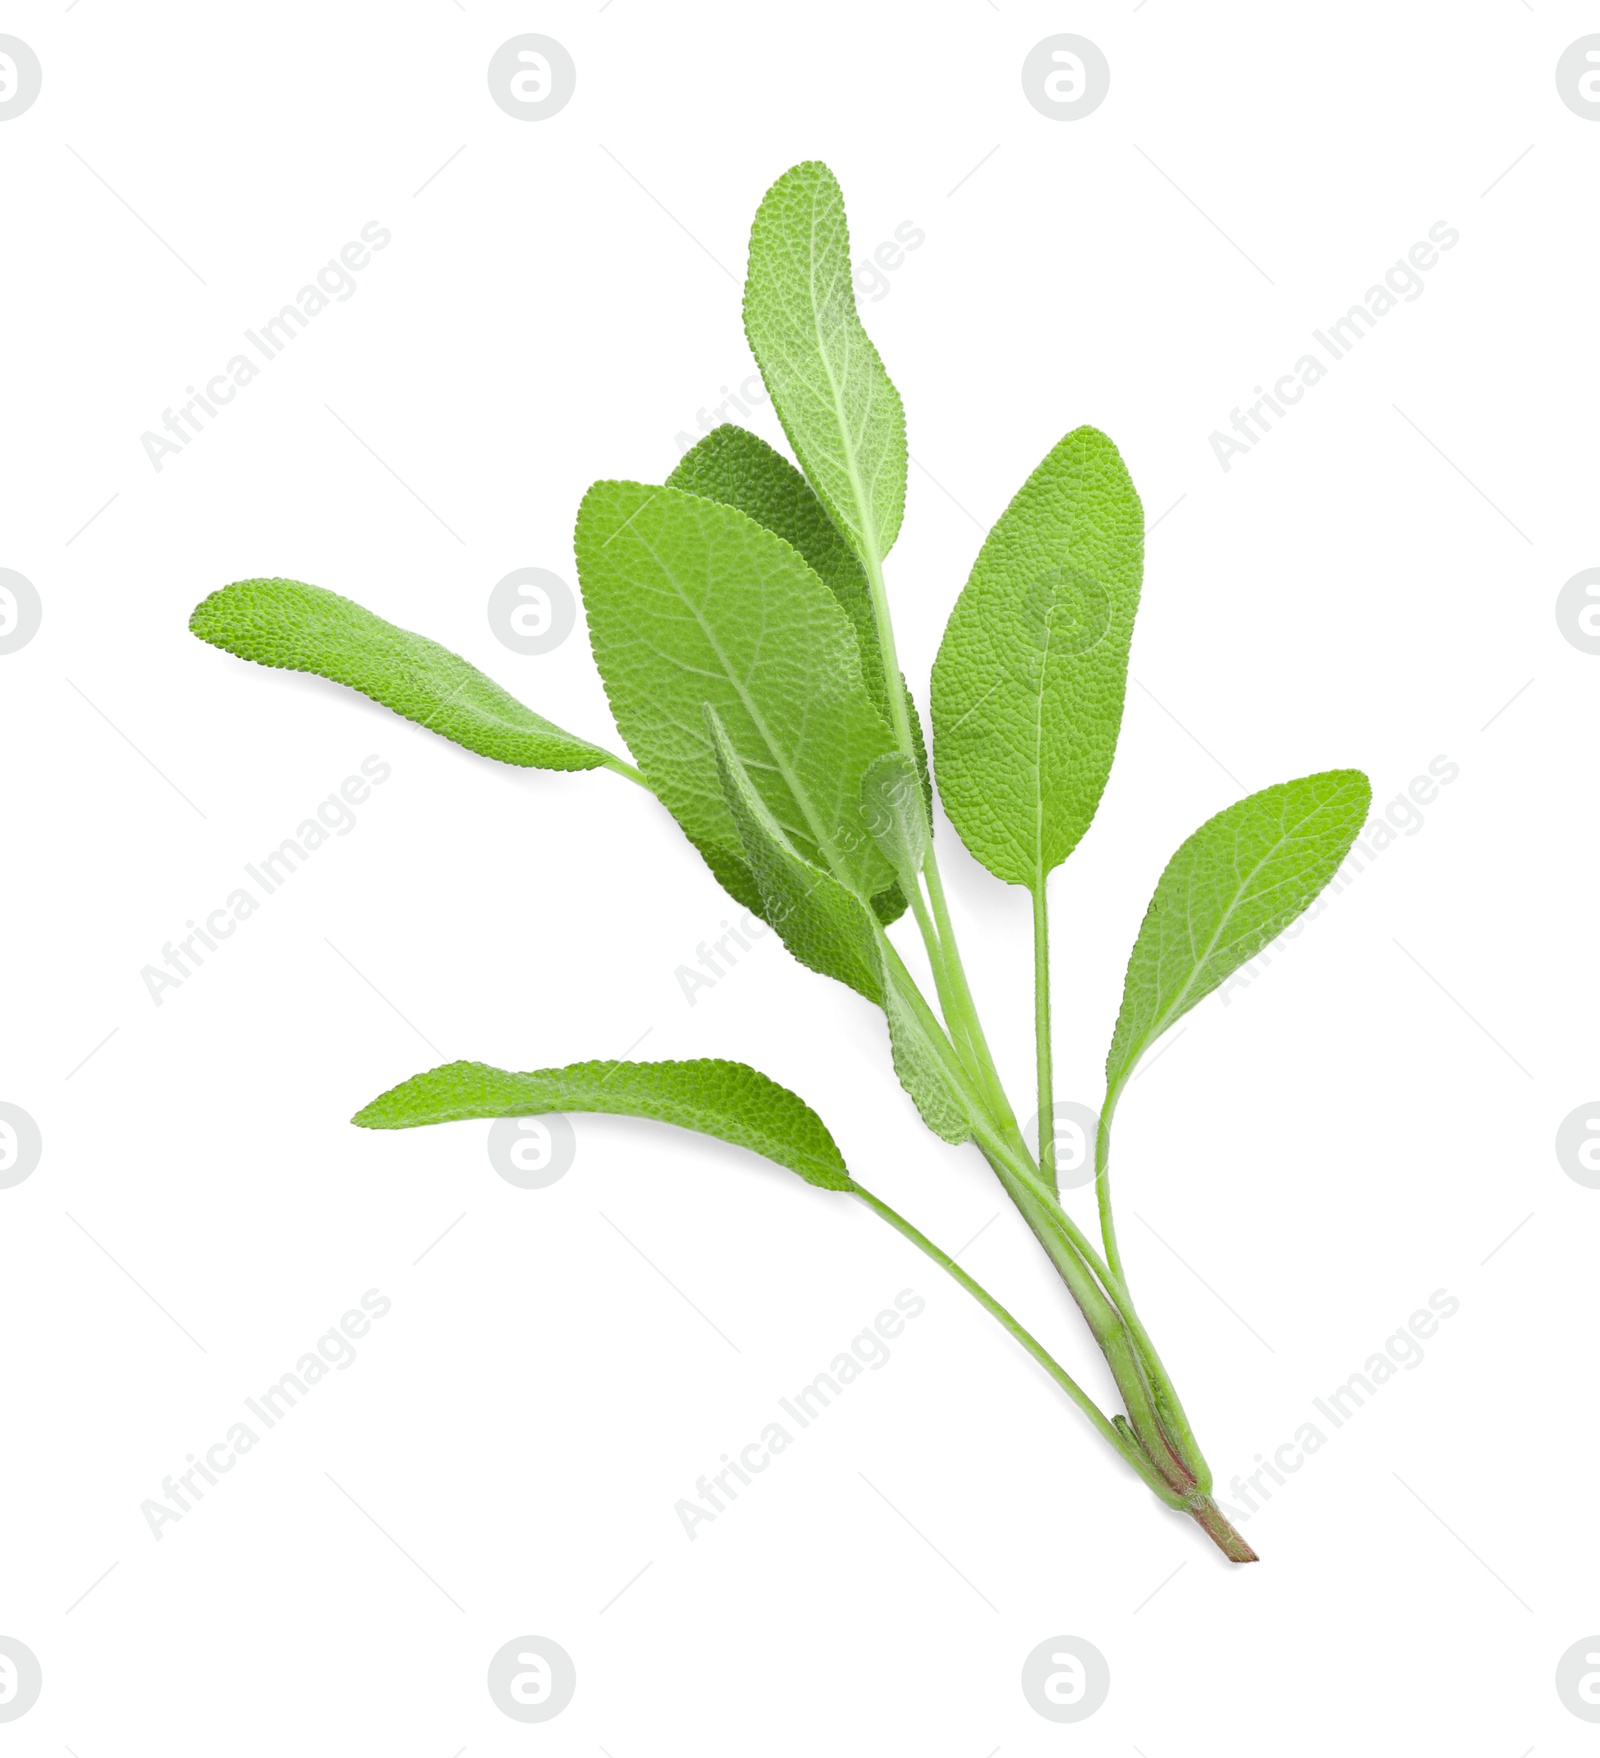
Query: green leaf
[825, 925]
[690, 602]
[1029, 681]
[1236, 884]
[738, 468]
[729, 1100]
[896, 812]
[829, 929]
[920, 1068]
[305, 628]
[842, 415]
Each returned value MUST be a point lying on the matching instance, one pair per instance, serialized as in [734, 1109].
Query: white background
[1365, 1123]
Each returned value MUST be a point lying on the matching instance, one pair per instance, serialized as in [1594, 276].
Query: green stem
[1098, 1289]
[1102, 1183]
[1087, 1279]
[1124, 1444]
[1174, 1418]
[999, 1106]
[1041, 1035]
[949, 1003]
[620, 766]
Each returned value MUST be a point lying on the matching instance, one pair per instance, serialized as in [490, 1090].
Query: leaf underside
[1029, 683]
[728, 1100]
[296, 627]
[1233, 886]
[830, 930]
[842, 415]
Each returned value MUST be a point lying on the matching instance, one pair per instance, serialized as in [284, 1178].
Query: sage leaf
[829, 929]
[728, 1100]
[1234, 885]
[823, 923]
[920, 1068]
[296, 627]
[896, 814]
[1029, 682]
[842, 415]
[690, 602]
[739, 469]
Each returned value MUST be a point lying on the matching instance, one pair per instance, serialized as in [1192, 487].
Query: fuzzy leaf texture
[1029, 682]
[1236, 884]
[824, 924]
[690, 602]
[896, 812]
[740, 469]
[830, 930]
[306, 628]
[842, 415]
[728, 1100]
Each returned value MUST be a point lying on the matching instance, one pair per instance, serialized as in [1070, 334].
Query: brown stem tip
[1214, 1523]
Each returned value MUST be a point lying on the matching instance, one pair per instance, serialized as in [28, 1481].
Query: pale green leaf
[690, 602]
[306, 628]
[919, 1066]
[728, 1100]
[1236, 884]
[842, 415]
[830, 930]
[1028, 685]
[825, 925]
[896, 813]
